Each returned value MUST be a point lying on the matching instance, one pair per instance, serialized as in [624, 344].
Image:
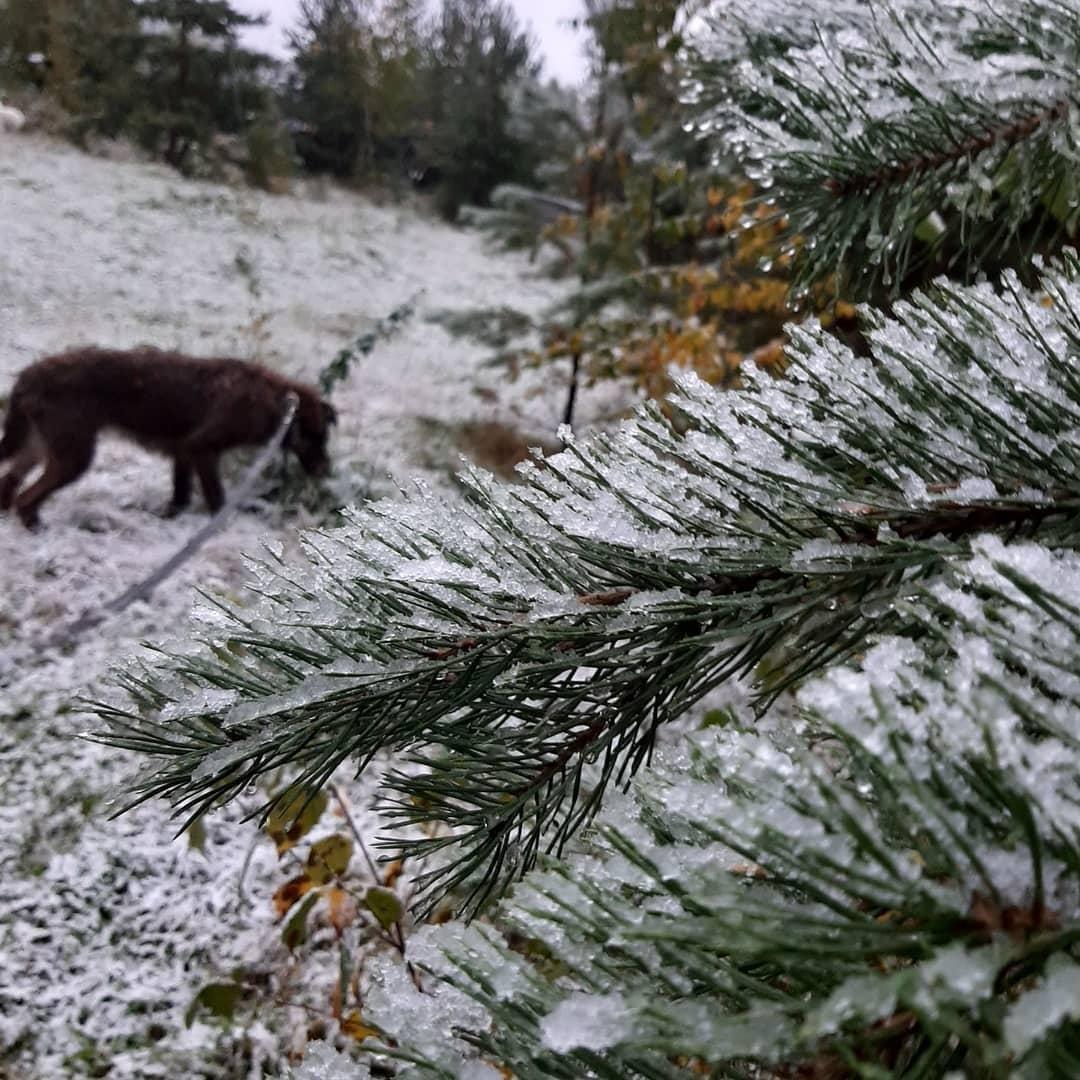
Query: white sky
[560, 46]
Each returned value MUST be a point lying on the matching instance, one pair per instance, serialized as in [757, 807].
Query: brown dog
[190, 409]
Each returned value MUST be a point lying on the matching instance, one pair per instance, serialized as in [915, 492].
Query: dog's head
[309, 432]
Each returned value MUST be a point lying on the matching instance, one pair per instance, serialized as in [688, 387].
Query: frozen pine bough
[884, 876]
[890, 880]
[902, 138]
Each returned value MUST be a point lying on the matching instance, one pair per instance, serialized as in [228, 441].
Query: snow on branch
[901, 138]
[525, 646]
[860, 884]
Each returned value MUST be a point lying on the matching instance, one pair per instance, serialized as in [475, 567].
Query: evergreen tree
[22, 34]
[398, 107]
[331, 89]
[81, 51]
[194, 78]
[476, 53]
[355, 94]
[872, 869]
[380, 88]
[168, 72]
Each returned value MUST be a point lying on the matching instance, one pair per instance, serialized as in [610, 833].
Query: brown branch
[339, 795]
[399, 941]
[985, 918]
[1005, 135]
[613, 598]
[463, 646]
[955, 520]
[558, 763]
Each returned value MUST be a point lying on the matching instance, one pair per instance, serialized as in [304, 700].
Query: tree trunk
[177, 149]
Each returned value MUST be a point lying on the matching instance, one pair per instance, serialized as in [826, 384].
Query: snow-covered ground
[109, 927]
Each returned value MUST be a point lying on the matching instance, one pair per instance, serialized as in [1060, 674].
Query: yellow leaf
[357, 1028]
[342, 909]
[393, 872]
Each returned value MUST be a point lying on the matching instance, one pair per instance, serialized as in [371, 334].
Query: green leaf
[718, 718]
[1061, 201]
[296, 812]
[218, 999]
[196, 835]
[295, 932]
[930, 228]
[384, 905]
[329, 857]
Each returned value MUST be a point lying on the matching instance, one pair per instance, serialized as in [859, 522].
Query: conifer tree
[168, 72]
[399, 45]
[331, 88]
[22, 36]
[869, 868]
[195, 79]
[476, 52]
[81, 51]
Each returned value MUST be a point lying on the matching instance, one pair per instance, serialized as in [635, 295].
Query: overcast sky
[560, 46]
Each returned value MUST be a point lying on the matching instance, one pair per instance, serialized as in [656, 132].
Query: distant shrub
[271, 164]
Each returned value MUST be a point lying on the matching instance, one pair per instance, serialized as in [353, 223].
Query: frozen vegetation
[917, 777]
[869, 867]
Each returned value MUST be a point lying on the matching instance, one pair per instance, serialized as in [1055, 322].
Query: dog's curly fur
[189, 408]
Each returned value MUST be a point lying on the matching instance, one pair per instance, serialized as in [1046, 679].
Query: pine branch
[1005, 135]
[523, 650]
[902, 140]
[762, 909]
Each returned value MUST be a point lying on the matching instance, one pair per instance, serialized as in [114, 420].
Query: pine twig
[899, 172]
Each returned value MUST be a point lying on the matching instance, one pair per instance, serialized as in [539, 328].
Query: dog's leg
[23, 462]
[65, 464]
[181, 495]
[206, 467]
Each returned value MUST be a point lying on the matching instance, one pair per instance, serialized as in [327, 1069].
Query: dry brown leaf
[290, 892]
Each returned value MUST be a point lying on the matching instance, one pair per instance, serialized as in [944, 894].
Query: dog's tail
[16, 429]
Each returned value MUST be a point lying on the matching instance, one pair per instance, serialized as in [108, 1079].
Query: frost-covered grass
[108, 928]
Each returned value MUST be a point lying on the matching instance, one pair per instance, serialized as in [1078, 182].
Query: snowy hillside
[108, 928]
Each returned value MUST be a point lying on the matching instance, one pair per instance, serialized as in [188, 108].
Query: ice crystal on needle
[421, 621]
